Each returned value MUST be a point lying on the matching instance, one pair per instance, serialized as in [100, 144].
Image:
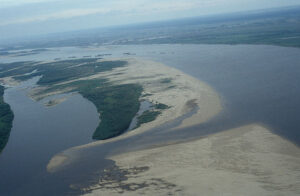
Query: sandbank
[161, 84]
[248, 160]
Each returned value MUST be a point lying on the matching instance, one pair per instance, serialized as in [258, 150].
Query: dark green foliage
[117, 106]
[161, 106]
[280, 27]
[26, 77]
[147, 116]
[6, 118]
[275, 27]
[17, 68]
[151, 115]
[8, 66]
[59, 72]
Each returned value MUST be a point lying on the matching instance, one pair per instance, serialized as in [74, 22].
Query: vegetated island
[249, 157]
[6, 119]
[172, 94]
[117, 104]
[116, 87]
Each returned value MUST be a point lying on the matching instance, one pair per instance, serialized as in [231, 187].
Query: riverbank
[248, 160]
[6, 119]
[161, 84]
[169, 86]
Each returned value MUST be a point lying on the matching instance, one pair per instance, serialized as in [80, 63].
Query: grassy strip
[6, 118]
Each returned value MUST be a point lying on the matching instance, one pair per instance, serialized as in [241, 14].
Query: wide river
[258, 84]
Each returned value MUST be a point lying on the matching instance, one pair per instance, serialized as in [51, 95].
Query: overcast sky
[32, 17]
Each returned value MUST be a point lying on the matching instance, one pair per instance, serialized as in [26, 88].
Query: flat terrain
[185, 97]
[117, 104]
[247, 160]
[279, 27]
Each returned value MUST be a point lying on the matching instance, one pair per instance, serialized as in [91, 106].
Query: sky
[33, 17]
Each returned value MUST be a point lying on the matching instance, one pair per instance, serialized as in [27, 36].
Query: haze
[33, 17]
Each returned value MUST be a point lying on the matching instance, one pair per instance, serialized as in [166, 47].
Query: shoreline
[248, 160]
[186, 93]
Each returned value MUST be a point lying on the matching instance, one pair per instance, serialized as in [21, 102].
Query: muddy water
[257, 84]
[39, 132]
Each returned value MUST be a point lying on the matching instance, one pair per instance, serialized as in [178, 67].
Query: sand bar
[161, 84]
[248, 160]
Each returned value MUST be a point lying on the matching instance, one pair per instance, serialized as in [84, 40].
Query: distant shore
[6, 119]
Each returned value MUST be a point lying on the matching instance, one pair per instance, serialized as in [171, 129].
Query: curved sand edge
[248, 160]
[179, 93]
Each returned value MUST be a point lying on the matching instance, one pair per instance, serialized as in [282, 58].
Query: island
[115, 86]
[233, 159]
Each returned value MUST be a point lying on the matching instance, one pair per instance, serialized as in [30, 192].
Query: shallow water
[144, 106]
[257, 84]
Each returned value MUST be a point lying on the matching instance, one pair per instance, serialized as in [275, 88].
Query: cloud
[33, 11]
[139, 7]
[57, 15]
[9, 3]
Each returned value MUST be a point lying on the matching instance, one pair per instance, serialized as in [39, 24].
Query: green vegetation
[279, 27]
[17, 68]
[117, 104]
[275, 27]
[151, 115]
[161, 106]
[6, 118]
[147, 116]
[55, 72]
[58, 73]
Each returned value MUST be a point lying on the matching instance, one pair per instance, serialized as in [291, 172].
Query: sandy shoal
[181, 92]
[248, 160]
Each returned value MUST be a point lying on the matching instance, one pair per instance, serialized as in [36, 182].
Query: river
[257, 84]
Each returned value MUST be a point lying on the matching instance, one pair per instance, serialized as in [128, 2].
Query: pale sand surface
[54, 102]
[183, 93]
[248, 160]
[9, 81]
[178, 93]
